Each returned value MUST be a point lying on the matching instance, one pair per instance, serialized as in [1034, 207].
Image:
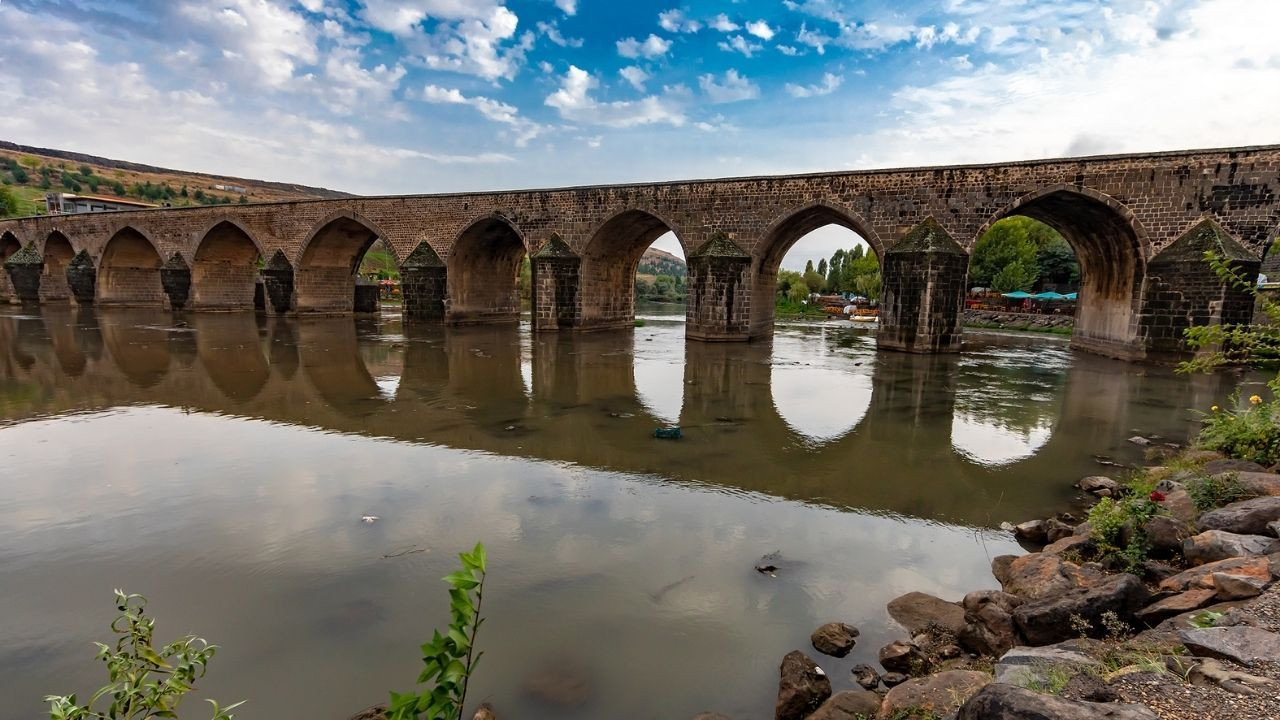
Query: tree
[1056, 262]
[808, 267]
[868, 285]
[813, 280]
[1006, 242]
[822, 267]
[798, 293]
[1014, 276]
[9, 203]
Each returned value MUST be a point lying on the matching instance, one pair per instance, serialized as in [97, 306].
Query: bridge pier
[24, 269]
[1182, 291]
[423, 284]
[719, 286]
[82, 278]
[277, 281]
[923, 292]
[175, 278]
[557, 287]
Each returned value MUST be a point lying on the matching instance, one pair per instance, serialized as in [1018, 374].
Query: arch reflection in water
[935, 437]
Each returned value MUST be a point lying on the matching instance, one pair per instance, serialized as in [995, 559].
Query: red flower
[1157, 496]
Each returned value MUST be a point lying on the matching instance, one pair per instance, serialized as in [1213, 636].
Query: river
[222, 464]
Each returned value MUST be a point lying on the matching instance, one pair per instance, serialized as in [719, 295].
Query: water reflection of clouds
[989, 443]
[659, 382]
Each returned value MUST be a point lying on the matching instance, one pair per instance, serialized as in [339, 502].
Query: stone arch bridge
[1139, 225]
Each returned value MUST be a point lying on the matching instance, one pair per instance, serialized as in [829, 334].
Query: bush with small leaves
[144, 682]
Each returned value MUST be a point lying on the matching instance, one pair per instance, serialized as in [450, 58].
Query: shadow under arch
[325, 271]
[481, 272]
[781, 235]
[230, 350]
[60, 322]
[57, 256]
[609, 262]
[140, 350]
[330, 358]
[129, 270]
[224, 273]
[1112, 248]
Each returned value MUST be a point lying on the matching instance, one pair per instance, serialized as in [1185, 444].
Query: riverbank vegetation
[1018, 253]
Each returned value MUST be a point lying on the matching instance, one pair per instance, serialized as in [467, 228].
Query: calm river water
[221, 464]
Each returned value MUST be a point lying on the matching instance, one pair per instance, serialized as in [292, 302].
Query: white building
[69, 204]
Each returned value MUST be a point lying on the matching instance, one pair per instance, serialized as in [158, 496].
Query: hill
[30, 172]
[656, 262]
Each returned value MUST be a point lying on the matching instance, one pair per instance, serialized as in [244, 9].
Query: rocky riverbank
[992, 320]
[1162, 605]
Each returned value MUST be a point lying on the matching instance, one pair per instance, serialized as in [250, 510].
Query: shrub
[1111, 520]
[144, 683]
[449, 659]
[1208, 493]
[9, 203]
[1249, 434]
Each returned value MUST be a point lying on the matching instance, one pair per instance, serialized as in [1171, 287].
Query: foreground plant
[144, 683]
[449, 659]
[1254, 432]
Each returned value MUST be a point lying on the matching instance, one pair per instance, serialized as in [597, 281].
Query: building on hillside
[69, 204]
[232, 188]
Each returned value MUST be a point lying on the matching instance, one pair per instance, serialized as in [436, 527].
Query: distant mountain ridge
[259, 190]
[660, 262]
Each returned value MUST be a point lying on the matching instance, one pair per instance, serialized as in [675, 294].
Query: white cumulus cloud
[733, 88]
[651, 47]
[574, 102]
[760, 29]
[830, 82]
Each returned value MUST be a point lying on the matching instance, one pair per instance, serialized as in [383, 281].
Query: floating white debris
[369, 518]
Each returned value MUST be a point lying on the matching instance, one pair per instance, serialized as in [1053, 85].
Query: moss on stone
[928, 237]
[25, 256]
[720, 246]
[1206, 236]
[553, 248]
[423, 256]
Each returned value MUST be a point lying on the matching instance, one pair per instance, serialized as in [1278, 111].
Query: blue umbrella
[1069, 296]
[1049, 296]
[1017, 295]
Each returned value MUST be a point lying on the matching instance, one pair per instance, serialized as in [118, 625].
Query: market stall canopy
[1017, 295]
[1049, 296]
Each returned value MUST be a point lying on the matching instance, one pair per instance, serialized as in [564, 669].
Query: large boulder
[998, 701]
[1256, 566]
[835, 639]
[1175, 605]
[802, 687]
[848, 705]
[1165, 534]
[934, 696]
[1000, 566]
[1025, 666]
[1099, 485]
[1032, 531]
[1258, 484]
[1049, 619]
[1225, 465]
[866, 676]
[989, 627]
[1247, 517]
[1240, 644]
[1213, 545]
[1056, 529]
[917, 612]
[1180, 506]
[1042, 575]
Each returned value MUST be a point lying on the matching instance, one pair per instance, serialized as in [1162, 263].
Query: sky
[411, 96]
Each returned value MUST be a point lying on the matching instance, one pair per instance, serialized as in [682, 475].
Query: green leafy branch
[144, 683]
[449, 659]
[1227, 344]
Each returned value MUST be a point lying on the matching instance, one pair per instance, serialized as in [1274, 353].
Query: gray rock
[989, 627]
[1180, 505]
[893, 679]
[1023, 666]
[848, 705]
[1099, 485]
[1055, 529]
[1247, 517]
[1175, 605]
[1213, 545]
[1274, 528]
[1080, 544]
[1240, 644]
[902, 656]
[1031, 531]
[1221, 465]
[1235, 587]
[1000, 565]
[1048, 620]
[835, 639]
[1042, 575]
[802, 687]
[917, 612]
[999, 701]
[866, 676]
[933, 696]
[1212, 672]
[1254, 483]
[1202, 575]
[1139, 441]
[1166, 534]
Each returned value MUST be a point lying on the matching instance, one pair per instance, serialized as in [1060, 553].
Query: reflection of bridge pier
[230, 350]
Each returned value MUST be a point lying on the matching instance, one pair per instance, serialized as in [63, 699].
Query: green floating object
[668, 433]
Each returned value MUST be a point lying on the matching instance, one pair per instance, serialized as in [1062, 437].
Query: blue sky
[383, 96]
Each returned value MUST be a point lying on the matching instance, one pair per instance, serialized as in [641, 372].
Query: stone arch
[481, 272]
[129, 270]
[325, 274]
[224, 272]
[783, 233]
[609, 262]
[9, 245]
[57, 254]
[1112, 248]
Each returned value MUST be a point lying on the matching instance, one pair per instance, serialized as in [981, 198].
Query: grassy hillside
[31, 172]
